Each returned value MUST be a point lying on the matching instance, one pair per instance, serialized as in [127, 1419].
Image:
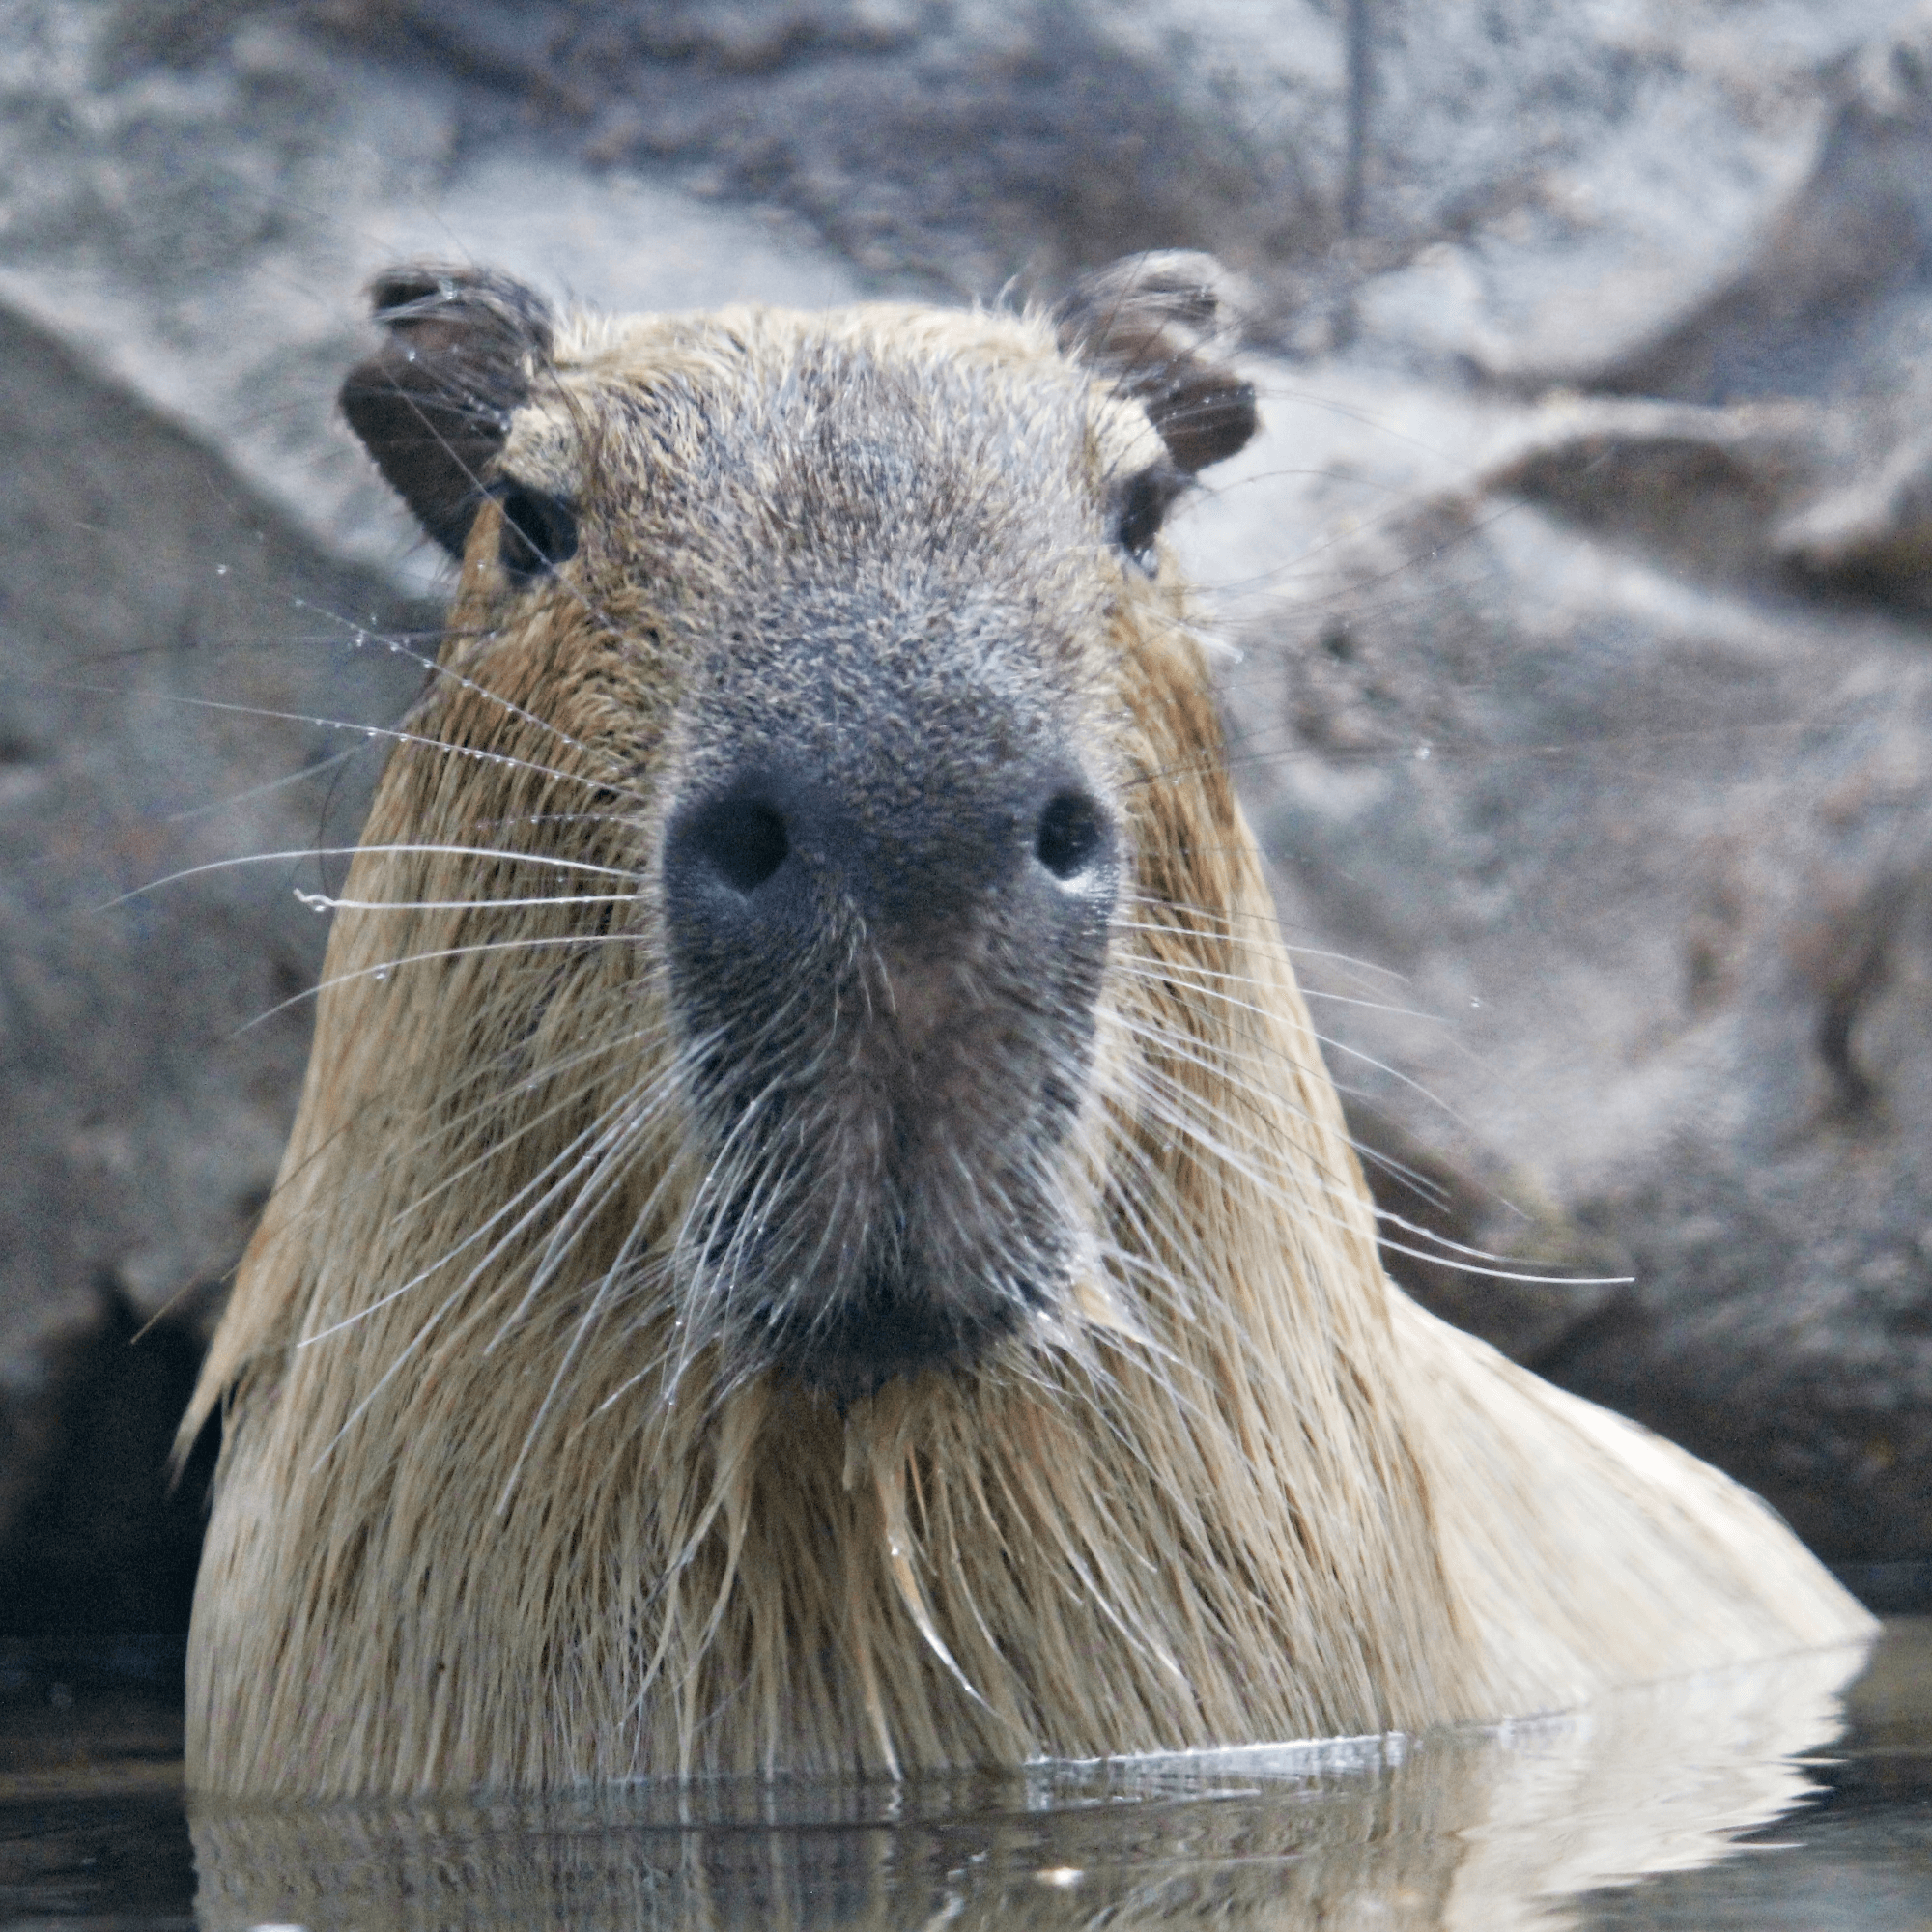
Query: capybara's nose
[774, 864]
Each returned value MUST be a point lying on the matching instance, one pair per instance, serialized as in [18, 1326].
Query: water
[1759, 1799]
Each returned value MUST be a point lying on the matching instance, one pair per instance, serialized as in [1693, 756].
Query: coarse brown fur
[512, 1491]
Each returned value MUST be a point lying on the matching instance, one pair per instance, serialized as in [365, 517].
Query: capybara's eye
[539, 532]
[1072, 831]
[1138, 505]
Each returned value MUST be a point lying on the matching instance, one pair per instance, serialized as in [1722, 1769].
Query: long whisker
[447, 674]
[1189, 1113]
[1344, 1046]
[325, 902]
[393, 734]
[388, 966]
[1193, 972]
[443, 1261]
[334, 762]
[497, 1100]
[546, 859]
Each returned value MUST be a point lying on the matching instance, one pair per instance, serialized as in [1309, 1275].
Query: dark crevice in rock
[109, 1541]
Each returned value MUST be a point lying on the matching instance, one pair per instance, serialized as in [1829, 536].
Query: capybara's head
[814, 649]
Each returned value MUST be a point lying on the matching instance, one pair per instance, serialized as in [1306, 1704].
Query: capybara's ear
[432, 405]
[1156, 323]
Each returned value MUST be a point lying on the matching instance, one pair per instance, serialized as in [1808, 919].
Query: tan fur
[488, 1517]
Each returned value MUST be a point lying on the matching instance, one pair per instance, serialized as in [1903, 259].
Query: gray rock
[202, 232]
[1643, 827]
[182, 674]
[1580, 580]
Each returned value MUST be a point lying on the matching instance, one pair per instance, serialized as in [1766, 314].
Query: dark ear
[1157, 323]
[432, 405]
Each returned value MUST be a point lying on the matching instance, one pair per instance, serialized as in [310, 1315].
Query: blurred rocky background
[1582, 587]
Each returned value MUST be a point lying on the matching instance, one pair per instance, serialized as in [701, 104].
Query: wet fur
[507, 1498]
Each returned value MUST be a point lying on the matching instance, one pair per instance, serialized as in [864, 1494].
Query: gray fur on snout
[891, 1038]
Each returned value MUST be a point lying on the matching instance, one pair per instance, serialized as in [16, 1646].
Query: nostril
[742, 841]
[1071, 833]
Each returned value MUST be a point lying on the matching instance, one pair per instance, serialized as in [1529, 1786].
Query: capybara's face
[829, 621]
[881, 845]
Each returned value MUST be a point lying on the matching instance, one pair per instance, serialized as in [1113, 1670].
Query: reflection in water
[1487, 1830]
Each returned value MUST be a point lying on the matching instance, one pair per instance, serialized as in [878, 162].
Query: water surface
[1755, 1798]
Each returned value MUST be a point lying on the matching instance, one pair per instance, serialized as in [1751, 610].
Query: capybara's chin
[817, 1239]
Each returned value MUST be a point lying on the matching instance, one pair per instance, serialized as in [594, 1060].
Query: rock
[1581, 582]
[187, 683]
[1643, 828]
[963, 144]
[202, 227]
[1717, 176]
[1625, 731]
